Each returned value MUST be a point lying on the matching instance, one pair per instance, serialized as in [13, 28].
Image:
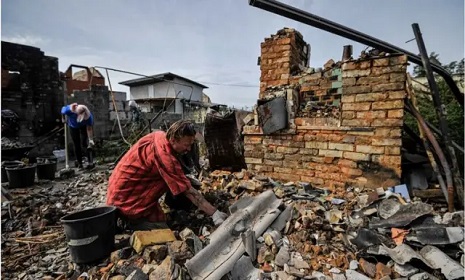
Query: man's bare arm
[197, 198]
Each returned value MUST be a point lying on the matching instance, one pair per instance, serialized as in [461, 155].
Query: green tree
[455, 113]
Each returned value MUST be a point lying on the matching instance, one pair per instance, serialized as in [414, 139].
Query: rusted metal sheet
[273, 115]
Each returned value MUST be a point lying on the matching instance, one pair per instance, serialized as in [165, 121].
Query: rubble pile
[33, 242]
[339, 232]
[9, 144]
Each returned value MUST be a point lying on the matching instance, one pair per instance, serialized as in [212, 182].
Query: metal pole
[440, 109]
[449, 191]
[341, 30]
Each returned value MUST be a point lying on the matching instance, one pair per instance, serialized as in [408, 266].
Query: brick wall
[31, 88]
[345, 121]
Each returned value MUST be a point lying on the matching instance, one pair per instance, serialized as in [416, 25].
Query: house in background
[175, 96]
[166, 91]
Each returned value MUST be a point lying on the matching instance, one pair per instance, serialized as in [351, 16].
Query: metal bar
[442, 158]
[341, 30]
[429, 150]
[440, 109]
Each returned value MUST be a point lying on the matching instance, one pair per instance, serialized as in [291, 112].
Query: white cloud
[30, 40]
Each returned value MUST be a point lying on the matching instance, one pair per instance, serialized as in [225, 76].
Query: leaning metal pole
[341, 30]
[440, 154]
[440, 110]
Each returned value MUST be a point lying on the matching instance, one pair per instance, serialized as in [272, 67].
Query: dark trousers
[80, 141]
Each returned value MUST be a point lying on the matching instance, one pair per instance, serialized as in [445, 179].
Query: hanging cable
[116, 110]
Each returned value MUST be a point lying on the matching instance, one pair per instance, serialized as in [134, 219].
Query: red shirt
[147, 171]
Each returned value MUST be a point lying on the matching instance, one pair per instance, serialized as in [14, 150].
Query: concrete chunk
[140, 239]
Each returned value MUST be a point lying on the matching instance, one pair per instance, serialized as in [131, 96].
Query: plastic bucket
[21, 177]
[90, 233]
[8, 164]
[46, 167]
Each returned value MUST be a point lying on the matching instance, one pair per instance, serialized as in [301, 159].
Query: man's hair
[180, 129]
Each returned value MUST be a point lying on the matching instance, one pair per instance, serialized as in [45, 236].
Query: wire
[229, 85]
[116, 110]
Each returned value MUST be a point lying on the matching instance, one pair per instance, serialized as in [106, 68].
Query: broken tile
[148, 268]
[155, 253]
[244, 269]
[353, 264]
[354, 275]
[264, 255]
[405, 270]
[124, 253]
[293, 271]
[382, 270]
[423, 276]
[368, 268]
[406, 214]
[282, 257]
[192, 240]
[164, 270]
[388, 207]
[454, 219]
[178, 250]
[439, 235]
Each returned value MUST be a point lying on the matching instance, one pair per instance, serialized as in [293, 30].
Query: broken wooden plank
[429, 193]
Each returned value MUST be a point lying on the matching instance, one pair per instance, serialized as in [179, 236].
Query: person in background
[80, 122]
[150, 169]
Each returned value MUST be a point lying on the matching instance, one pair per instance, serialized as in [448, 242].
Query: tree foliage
[455, 113]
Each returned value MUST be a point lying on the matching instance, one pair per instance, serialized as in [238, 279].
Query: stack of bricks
[361, 148]
[280, 57]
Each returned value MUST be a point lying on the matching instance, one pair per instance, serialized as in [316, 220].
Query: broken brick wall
[31, 88]
[345, 121]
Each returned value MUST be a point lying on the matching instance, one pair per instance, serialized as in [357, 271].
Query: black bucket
[90, 233]
[9, 164]
[46, 167]
[21, 177]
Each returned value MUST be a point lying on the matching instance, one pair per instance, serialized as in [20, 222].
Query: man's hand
[91, 143]
[194, 181]
[218, 217]
[197, 198]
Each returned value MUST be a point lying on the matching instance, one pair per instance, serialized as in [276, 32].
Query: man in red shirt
[149, 170]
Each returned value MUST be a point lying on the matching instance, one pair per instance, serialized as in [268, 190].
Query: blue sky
[216, 41]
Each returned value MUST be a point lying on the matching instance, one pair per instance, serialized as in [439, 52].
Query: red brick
[369, 149]
[387, 122]
[381, 105]
[351, 171]
[347, 163]
[356, 156]
[362, 106]
[286, 150]
[341, 147]
[371, 115]
[356, 122]
[374, 96]
[388, 87]
[377, 62]
[399, 113]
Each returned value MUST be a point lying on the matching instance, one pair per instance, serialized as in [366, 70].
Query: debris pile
[274, 231]
[9, 144]
[33, 242]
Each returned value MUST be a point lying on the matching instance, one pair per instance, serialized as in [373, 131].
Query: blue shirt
[72, 118]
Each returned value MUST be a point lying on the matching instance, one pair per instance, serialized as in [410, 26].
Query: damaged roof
[158, 78]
